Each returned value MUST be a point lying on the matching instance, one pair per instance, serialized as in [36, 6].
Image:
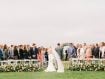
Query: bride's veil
[58, 60]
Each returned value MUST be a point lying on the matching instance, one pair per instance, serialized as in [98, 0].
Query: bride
[54, 60]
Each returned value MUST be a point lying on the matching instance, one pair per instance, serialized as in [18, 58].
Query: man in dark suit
[34, 51]
[71, 51]
[59, 50]
[96, 51]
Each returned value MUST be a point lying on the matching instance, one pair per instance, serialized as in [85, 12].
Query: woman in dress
[50, 67]
[5, 51]
[82, 52]
[41, 56]
[88, 52]
[54, 58]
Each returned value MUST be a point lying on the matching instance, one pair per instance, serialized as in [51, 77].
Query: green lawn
[53, 75]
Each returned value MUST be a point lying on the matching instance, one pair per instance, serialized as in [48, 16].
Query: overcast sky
[47, 22]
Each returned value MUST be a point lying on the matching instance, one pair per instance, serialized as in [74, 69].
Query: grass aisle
[54, 75]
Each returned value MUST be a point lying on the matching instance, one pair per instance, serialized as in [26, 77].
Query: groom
[59, 50]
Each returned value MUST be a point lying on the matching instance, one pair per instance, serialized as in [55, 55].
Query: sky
[47, 22]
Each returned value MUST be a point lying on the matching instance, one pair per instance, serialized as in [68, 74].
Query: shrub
[87, 67]
[20, 68]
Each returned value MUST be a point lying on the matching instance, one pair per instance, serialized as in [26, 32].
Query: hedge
[20, 68]
[87, 67]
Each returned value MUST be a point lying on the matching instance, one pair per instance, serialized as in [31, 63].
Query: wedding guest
[21, 51]
[2, 47]
[96, 51]
[31, 52]
[5, 51]
[11, 52]
[43, 53]
[102, 50]
[16, 53]
[85, 47]
[82, 52]
[34, 51]
[88, 52]
[39, 54]
[25, 53]
[75, 50]
[93, 52]
[1, 53]
[78, 50]
[71, 51]
[28, 50]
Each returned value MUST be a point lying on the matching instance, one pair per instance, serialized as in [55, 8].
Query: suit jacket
[21, 51]
[96, 52]
[34, 52]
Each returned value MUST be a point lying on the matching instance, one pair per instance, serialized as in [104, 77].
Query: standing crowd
[23, 52]
[81, 51]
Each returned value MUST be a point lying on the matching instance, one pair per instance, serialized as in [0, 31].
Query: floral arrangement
[87, 67]
[20, 68]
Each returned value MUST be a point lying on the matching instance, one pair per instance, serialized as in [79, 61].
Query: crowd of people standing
[23, 52]
[81, 51]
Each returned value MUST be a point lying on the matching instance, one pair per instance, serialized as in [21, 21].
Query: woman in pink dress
[88, 54]
[41, 56]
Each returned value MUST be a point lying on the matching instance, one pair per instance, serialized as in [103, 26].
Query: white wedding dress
[50, 67]
[53, 55]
